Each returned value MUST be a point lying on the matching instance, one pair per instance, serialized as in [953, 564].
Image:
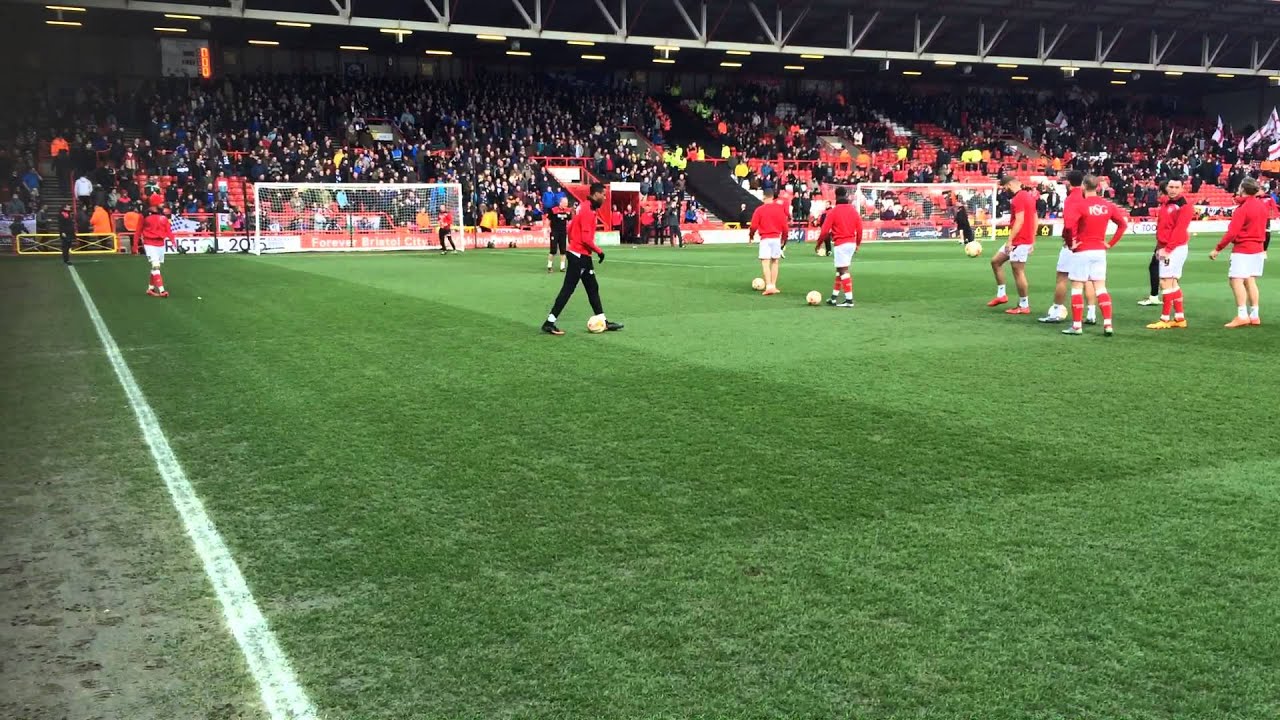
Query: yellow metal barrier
[51, 244]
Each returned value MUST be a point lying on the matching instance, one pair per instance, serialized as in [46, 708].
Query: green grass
[738, 507]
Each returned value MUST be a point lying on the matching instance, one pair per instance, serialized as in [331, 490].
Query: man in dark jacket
[66, 232]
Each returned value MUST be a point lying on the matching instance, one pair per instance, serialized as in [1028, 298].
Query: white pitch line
[281, 693]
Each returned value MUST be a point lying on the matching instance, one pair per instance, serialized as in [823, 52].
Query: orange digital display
[206, 63]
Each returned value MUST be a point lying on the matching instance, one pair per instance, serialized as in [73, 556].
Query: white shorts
[770, 249]
[1064, 260]
[1088, 265]
[155, 254]
[1172, 268]
[1017, 253]
[843, 254]
[1245, 266]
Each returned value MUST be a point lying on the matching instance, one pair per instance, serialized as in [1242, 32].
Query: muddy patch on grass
[103, 613]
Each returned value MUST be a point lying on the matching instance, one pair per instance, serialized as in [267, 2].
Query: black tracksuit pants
[580, 269]
[1153, 274]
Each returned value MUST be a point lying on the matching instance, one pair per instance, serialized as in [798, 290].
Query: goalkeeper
[582, 244]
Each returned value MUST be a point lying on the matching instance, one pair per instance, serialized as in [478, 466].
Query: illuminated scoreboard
[185, 58]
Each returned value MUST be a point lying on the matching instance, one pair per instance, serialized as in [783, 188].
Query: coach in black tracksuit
[963, 228]
[559, 217]
[582, 244]
[66, 232]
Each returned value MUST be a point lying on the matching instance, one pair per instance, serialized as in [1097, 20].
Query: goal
[352, 217]
[912, 211]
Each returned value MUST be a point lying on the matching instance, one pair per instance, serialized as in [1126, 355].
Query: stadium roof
[1178, 36]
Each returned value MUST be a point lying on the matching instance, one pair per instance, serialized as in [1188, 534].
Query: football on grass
[596, 324]
[757, 284]
[973, 248]
[813, 298]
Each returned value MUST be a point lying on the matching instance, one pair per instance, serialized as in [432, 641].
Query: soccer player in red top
[1058, 311]
[771, 223]
[1086, 229]
[446, 232]
[842, 228]
[1022, 238]
[582, 244]
[156, 230]
[1247, 236]
[1173, 233]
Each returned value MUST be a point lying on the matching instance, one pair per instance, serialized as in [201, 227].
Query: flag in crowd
[1059, 122]
[1218, 136]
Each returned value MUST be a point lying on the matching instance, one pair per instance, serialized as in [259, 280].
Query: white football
[596, 324]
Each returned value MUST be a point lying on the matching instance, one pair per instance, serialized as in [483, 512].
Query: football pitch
[737, 507]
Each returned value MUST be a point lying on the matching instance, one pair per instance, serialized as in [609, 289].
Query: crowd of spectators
[489, 133]
[484, 134]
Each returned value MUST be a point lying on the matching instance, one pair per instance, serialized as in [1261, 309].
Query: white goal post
[353, 217]
[921, 211]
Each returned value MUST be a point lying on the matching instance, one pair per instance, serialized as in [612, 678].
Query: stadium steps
[687, 127]
[715, 189]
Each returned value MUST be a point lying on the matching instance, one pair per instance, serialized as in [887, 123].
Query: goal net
[349, 217]
[910, 211]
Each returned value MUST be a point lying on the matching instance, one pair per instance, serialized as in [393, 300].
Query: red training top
[770, 221]
[1024, 204]
[1074, 195]
[1088, 224]
[1248, 227]
[843, 224]
[1174, 224]
[582, 232]
[446, 220]
[155, 230]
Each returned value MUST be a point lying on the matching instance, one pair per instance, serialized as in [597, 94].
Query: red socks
[848, 285]
[1168, 303]
[157, 282]
[1104, 304]
[1177, 303]
[1077, 308]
